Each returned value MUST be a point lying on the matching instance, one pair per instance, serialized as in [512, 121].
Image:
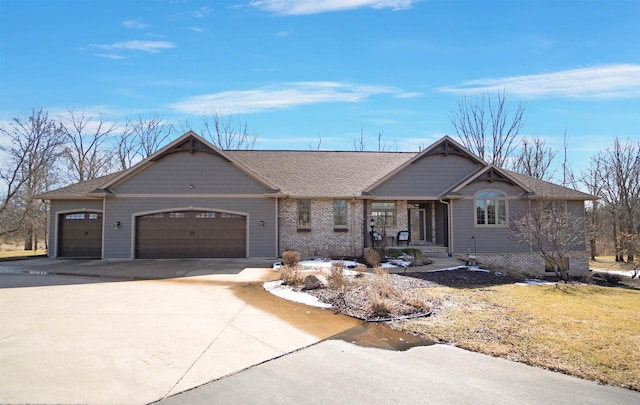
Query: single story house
[193, 200]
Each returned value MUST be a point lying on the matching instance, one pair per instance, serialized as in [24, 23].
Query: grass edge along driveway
[582, 330]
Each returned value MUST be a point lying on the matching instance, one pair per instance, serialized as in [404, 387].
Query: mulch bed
[465, 278]
[355, 301]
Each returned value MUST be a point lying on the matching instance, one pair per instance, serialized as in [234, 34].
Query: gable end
[189, 144]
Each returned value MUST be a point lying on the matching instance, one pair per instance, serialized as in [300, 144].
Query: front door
[417, 225]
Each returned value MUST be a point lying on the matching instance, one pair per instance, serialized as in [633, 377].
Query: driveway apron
[140, 341]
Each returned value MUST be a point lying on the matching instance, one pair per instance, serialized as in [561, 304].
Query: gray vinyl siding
[64, 206]
[177, 172]
[119, 242]
[488, 239]
[429, 176]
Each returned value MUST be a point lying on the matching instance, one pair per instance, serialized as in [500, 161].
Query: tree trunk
[28, 238]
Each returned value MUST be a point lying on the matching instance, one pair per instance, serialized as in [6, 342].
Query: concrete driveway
[137, 331]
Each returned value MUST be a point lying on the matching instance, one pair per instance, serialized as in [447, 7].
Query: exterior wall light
[116, 225]
[261, 224]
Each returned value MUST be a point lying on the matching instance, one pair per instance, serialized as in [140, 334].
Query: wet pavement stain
[321, 323]
[380, 336]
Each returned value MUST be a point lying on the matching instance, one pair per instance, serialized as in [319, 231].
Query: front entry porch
[427, 223]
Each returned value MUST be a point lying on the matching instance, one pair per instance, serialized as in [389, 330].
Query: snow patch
[288, 293]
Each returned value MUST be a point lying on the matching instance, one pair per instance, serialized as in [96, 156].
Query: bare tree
[85, 153]
[487, 127]
[591, 179]
[226, 131]
[620, 191]
[317, 147]
[27, 169]
[360, 145]
[141, 138]
[535, 159]
[552, 232]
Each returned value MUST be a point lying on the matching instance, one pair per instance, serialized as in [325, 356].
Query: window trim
[486, 199]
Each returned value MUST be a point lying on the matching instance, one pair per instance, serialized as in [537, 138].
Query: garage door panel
[185, 234]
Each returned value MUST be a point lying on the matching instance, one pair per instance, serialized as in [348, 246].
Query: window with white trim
[491, 208]
[384, 213]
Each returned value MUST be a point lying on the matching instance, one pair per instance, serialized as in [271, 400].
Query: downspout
[277, 230]
[449, 226]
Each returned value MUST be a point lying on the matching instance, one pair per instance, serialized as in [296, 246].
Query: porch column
[433, 222]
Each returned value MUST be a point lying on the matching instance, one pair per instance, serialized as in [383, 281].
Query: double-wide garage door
[190, 234]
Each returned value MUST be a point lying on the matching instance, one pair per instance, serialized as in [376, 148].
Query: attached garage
[190, 234]
[80, 235]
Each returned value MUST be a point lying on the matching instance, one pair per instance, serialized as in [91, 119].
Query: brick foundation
[531, 263]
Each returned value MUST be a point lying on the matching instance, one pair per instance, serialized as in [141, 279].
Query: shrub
[336, 276]
[291, 275]
[360, 270]
[290, 258]
[372, 257]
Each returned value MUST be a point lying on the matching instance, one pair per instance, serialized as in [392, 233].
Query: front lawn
[583, 330]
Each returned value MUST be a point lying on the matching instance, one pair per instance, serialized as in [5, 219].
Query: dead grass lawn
[607, 263]
[21, 253]
[587, 331]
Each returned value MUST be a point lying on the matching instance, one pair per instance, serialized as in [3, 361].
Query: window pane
[340, 212]
[490, 194]
[480, 220]
[304, 213]
[502, 212]
[202, 215]
[74, 216]
[384, 213]
[491, 212]
[176, 215]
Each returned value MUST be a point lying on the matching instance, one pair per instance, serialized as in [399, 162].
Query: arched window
[491, 208]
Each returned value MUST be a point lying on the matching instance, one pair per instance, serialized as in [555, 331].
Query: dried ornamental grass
[290, 258]
[372, 257]
[336, 276]
[291, 275]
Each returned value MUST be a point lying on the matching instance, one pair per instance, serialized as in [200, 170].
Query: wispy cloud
[287, 95]
[202, 12]
[135, 24]
[610, 81]
[136, 45]
[197, 29]
[110, 56]
[299, 7]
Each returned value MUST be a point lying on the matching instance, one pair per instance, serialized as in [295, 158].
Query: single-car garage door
[80, 235]
[190, 234]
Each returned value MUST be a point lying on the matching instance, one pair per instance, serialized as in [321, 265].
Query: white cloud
[135, 24]
[110, 56]
[299, 7]
[197, 29]
[610, 81]
[136, 45]
[286, 96]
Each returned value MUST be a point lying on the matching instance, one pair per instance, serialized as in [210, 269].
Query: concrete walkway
[78, 339]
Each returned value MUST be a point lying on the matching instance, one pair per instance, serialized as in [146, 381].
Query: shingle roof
[79, 190]
[545, 189]
[321, 173]
[309, 174]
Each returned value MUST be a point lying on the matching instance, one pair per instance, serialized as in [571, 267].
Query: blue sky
[298, 71]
